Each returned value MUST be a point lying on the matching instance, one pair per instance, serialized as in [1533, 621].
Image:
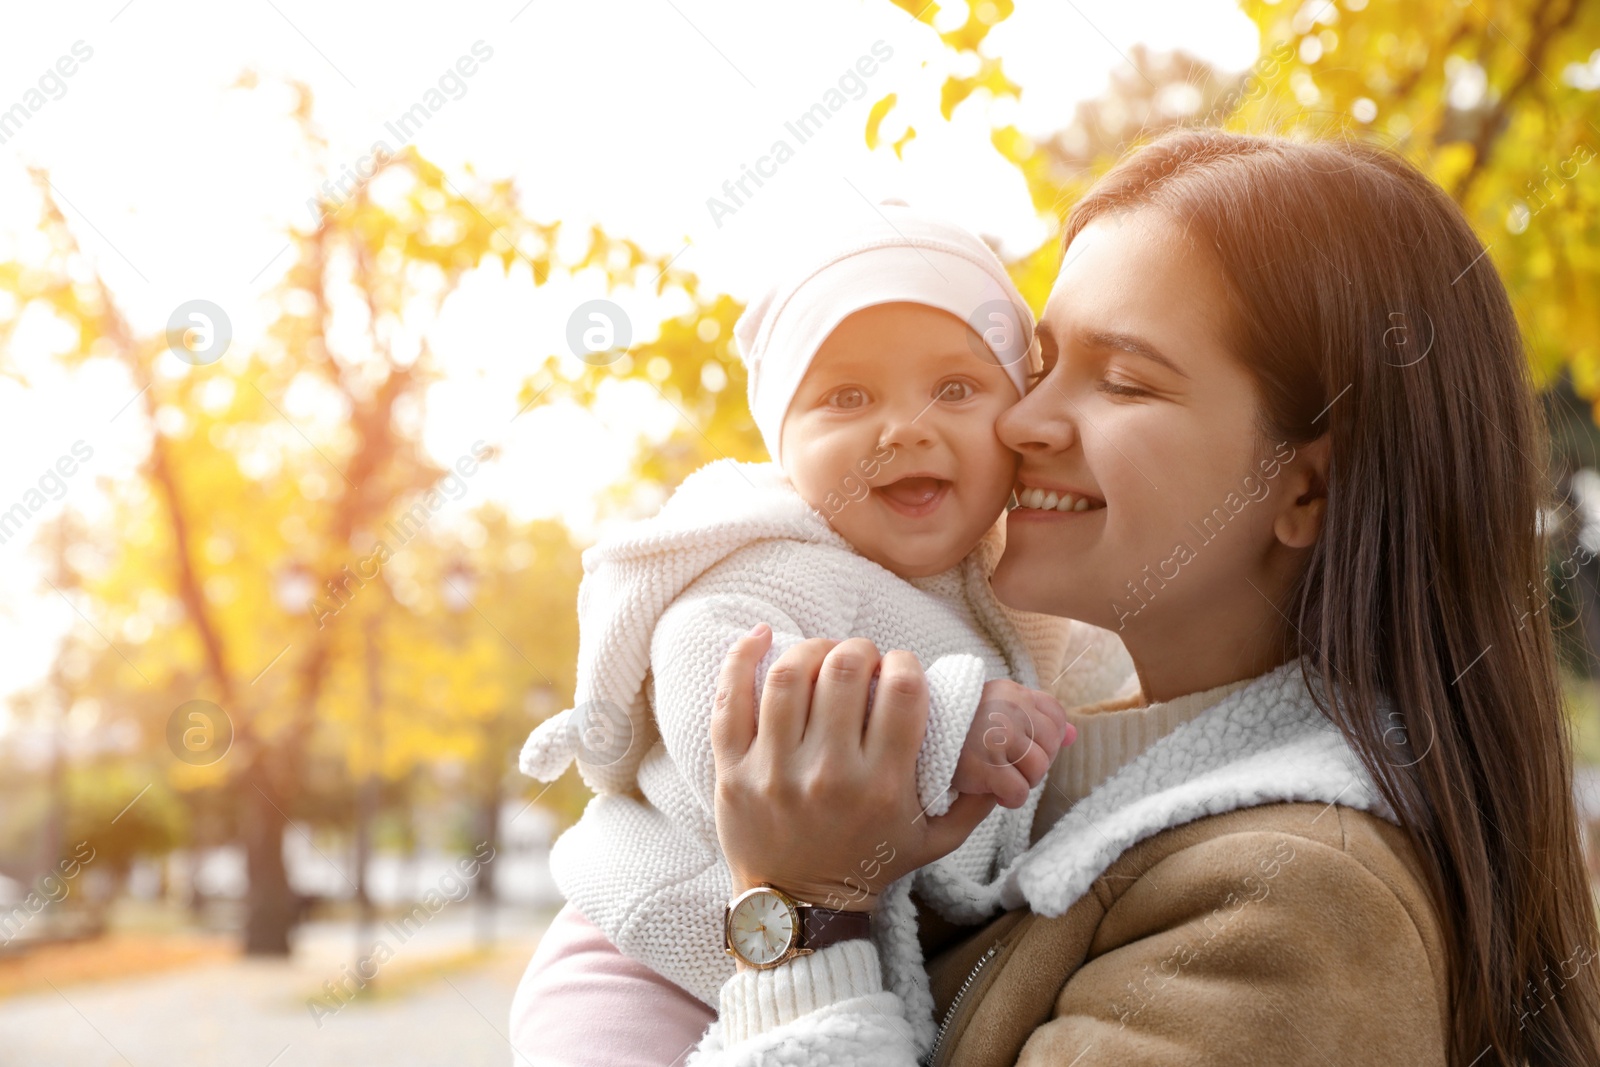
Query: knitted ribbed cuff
[955, 688]
[755, 1001]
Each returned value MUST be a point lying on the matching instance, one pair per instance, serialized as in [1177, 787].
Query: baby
[879, 519]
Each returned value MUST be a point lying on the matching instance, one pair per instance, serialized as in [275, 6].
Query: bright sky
[628, 113]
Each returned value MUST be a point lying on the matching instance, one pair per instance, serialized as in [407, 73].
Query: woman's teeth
[1050, 500]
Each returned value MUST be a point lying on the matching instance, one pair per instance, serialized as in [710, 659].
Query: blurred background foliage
[239, 568]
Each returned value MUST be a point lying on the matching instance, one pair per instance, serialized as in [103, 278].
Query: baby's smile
[915, 496]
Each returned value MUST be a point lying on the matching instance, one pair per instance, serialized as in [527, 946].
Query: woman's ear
[1299, 519]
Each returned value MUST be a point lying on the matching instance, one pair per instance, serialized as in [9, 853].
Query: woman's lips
[1040, 515]
[914, 497]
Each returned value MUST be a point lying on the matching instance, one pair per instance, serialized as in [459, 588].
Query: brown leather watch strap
[821, 927]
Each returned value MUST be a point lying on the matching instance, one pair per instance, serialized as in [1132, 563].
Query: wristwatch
[765, 927]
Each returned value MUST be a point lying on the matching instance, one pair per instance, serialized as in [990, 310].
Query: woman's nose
[1040, 422]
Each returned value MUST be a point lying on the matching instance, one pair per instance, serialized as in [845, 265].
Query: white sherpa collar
[1264, 743]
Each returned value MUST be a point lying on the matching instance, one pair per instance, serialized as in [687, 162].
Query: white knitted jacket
[660, 605]
[1261, 744]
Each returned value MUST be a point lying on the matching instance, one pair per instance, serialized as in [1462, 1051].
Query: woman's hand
[821, 799]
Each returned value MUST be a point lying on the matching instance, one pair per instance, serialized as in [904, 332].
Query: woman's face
[1145, 414]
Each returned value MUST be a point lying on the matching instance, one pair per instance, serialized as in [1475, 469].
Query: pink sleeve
[582, 1003]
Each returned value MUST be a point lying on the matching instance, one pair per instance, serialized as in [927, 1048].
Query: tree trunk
[271, 907]
[483, 889]
[1548, 24]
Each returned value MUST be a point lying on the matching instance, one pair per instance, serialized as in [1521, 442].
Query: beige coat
[1238, 893]
[1281, 934]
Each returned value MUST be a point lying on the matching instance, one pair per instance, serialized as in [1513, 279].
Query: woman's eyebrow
[1136, 346]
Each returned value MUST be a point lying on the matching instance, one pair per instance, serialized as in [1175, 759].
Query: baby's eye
[848, 398]
[952, 391]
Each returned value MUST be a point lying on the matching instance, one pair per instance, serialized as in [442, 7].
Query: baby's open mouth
[915, 496]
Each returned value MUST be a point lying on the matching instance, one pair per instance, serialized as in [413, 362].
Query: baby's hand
[1013, 740]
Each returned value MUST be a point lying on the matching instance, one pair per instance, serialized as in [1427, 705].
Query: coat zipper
[955, 1002]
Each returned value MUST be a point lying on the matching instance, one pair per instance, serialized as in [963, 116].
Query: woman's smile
[1040, 502]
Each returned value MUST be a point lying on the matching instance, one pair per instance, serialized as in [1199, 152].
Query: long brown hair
[1366, 310]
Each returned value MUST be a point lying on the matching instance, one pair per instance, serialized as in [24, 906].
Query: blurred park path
[440, 1000]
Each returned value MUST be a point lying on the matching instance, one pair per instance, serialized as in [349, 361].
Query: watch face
[761, 927]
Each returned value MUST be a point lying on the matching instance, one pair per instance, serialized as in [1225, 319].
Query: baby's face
[891, 437]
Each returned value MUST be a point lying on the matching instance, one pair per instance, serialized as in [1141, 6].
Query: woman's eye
[848, 399]
[1116, 388]
[955, 391]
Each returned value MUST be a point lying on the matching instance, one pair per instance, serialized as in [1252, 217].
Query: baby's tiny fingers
[1049, 707]
[1010, 787]
[1033, 766]
[970, 776]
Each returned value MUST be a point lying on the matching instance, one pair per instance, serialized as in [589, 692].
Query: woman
[1334, 825]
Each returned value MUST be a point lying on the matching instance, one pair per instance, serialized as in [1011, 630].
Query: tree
[244, 567]
[1496, 101]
